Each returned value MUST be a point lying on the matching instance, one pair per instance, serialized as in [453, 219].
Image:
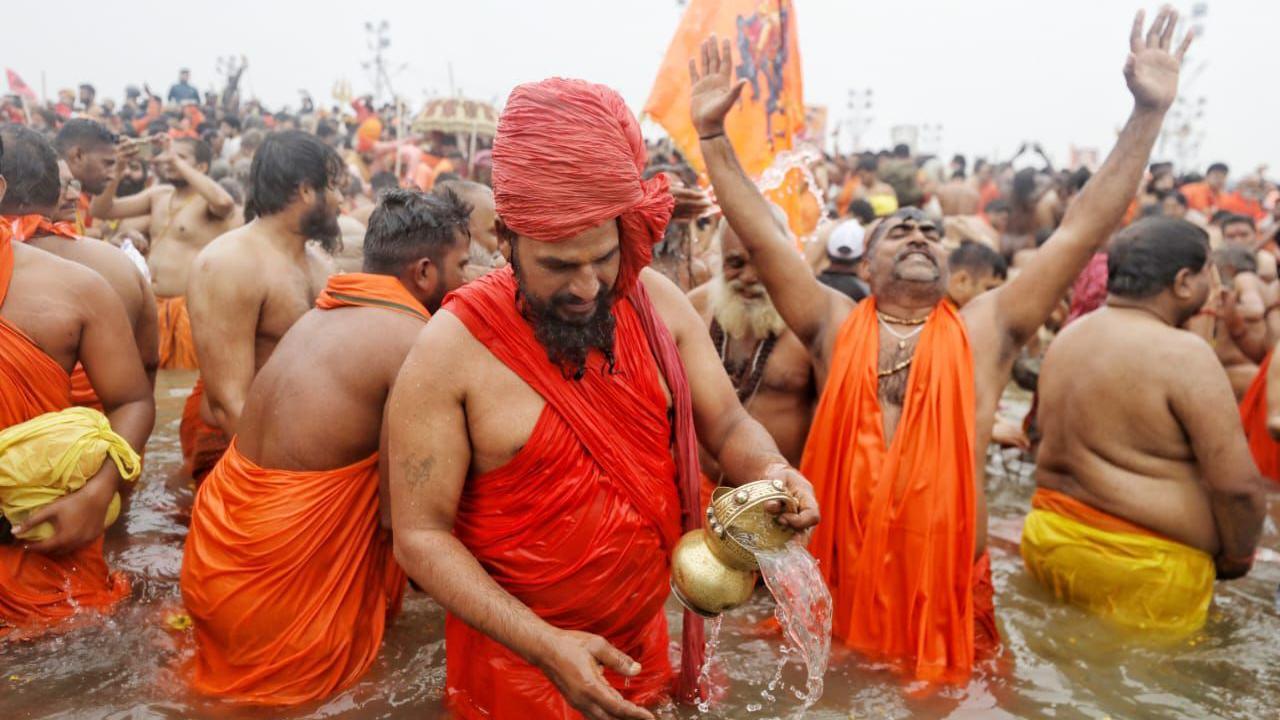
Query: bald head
[30, 167]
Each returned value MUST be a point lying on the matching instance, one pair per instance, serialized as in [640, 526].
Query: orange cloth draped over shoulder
[40, 591]
[289, 575]
[897, 539]
[1253, 411]
[177, 346]
[21, 228]
[202, 444]
[600, 463]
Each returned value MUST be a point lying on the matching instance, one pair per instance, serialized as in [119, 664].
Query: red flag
[18, 87]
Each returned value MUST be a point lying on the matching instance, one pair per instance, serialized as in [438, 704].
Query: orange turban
[370, 132]
[567, 157]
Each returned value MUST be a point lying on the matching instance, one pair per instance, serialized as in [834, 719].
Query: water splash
[803, 609]
[704, 678]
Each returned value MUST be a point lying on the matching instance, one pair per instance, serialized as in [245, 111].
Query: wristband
[712, 136]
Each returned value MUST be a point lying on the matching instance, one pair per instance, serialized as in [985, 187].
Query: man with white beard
[769, 367]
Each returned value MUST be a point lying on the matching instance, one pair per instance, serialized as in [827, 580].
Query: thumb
[614, 659]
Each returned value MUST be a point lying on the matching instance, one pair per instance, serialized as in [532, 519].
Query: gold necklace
[881, 374]
[901, 321]
[902, 339]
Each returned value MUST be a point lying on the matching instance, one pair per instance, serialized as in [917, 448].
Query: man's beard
[741, 317]
[129, 186]
[568, 344]
[321, 225]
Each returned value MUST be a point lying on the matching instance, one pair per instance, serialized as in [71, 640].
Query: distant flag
[770, 115]
[18, 87]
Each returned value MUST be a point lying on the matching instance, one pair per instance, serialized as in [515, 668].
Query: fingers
[693, 72]
[1171, 24]
[613, 658]
[1153, 33]
[726, 57]
[44, 514]
[1186, 44]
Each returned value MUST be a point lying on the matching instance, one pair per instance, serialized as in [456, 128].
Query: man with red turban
[543, 431]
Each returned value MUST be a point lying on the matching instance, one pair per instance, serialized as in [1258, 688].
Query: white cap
[845, 242]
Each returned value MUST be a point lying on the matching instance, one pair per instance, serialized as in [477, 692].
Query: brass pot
[714, 569]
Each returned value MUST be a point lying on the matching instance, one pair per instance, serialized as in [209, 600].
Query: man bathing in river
[909, 385]
[535, 493]
[1146, 487]
[187, 210]
[249, 286]
[288, 571]
[769, 367]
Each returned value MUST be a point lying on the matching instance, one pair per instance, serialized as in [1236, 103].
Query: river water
[1058, 662]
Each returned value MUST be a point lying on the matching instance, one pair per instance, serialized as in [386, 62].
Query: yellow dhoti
[1115, 569]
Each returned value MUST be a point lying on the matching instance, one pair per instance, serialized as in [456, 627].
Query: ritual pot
[714, 569]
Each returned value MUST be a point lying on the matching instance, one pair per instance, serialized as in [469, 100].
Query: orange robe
[177, 346]
[39, 591]
[600, 463]
[202, 444]
[289, 576]
[897, 539]
[24, 227]
[1200, 197]
[1253, 411]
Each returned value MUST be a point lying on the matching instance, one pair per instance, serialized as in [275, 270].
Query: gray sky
[992, 72]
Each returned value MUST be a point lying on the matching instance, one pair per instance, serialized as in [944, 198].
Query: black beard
[322, 226]
[568, 344]
[129, 187]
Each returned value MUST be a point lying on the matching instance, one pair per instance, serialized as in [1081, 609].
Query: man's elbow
[222, 208]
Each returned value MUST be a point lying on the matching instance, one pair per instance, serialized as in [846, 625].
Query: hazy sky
[992, 72]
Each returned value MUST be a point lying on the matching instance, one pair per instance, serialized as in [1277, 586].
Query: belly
[170, 263]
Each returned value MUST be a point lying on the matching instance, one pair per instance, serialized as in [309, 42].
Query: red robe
[600, 462]
[1253, 411]
[38, 591]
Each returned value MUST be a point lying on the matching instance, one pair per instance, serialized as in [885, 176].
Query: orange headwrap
[370, 132]
[567, 157]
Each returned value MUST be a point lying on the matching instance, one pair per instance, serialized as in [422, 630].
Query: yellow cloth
[883, 205]
[1139, 581]
[54, 454]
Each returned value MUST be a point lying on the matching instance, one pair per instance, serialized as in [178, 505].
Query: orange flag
[771, 113]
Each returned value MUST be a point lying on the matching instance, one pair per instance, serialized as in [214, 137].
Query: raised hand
[713, 90]
[1151, 69]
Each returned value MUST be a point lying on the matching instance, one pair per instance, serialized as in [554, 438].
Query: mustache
[920, 248]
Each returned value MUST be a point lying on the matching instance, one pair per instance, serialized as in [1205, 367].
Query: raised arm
[807, 306]
[740, 445]
[429, 456]
[109, 207]
[1151, 72]
[224, 316]
[111, 361]
[1245, 316]
[1207, 411]
[219, 201]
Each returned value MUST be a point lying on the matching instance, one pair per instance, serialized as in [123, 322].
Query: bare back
[317, 403]
[120, 273]
[958, 198]
[181, 226]
[247, 289]
[1110, 389]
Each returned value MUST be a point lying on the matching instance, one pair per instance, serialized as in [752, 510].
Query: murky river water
[1058, 662]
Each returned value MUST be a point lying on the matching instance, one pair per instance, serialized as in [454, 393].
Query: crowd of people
[511, 378]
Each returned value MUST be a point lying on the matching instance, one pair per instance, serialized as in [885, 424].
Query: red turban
[567, 157]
